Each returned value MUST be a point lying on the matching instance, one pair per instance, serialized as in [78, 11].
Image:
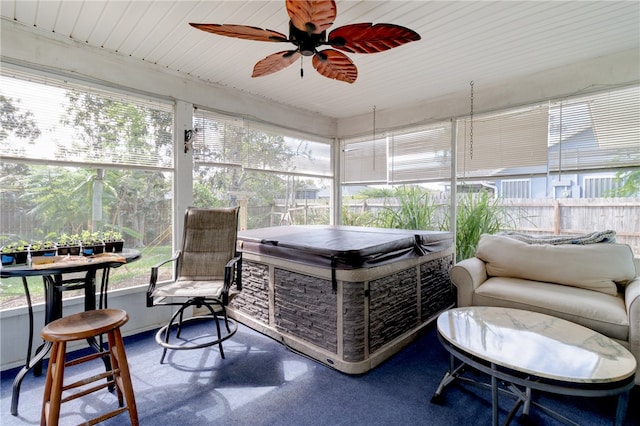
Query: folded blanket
[607, 236]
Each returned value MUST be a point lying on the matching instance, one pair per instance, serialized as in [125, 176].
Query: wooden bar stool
[86, 325]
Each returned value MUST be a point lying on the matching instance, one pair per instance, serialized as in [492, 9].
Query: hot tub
[349, 297]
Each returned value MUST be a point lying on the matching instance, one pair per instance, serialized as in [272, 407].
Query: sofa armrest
[467, 275]
[632, 301]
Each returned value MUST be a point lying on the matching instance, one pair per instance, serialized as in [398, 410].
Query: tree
[229, 148]
[17, 125]
[20, 124]
[630, 184]
[118, 132]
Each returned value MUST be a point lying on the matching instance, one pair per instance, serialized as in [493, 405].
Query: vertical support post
[183, 176]
[454, 183]
[556, 217]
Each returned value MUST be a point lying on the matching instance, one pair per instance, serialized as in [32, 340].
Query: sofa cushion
[597, 311]
[592, 266]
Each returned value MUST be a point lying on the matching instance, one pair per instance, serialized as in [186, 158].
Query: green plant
[69, 240]
[356, 219]
[477, 214]
[89, 238]
[417, 209]
[42, 245]
[111, 236]
[15, 246]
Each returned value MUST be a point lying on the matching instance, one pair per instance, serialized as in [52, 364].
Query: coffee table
[532, 351]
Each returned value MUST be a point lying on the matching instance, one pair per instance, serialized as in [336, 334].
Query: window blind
[87, 125]
[598, 131]
[415, 154]
[229, 140]
[364, 160]
[507, 143]
[421, 154]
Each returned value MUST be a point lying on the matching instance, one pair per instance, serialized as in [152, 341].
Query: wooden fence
[540, 216]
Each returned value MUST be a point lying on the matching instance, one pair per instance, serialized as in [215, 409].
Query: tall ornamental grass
[477, 214]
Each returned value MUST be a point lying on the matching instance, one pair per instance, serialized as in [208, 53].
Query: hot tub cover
[343, 247]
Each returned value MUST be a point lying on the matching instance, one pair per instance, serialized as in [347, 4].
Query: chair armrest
[467, 275]
[632, 302]
[154, 276]
[234, 264]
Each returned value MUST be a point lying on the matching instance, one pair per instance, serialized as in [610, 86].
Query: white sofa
[595, 285]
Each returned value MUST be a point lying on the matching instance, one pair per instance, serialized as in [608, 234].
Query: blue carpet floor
[261, 382]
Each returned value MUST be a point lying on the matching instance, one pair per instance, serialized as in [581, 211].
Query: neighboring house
[562, 181]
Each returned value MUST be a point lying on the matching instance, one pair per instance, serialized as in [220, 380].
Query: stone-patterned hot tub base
[351, 320]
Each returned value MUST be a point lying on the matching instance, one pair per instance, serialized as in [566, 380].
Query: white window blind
[415, 154]
[508, 143]
[87, 125]
[421, 154]
[364, 161]
[228, 140]
[599, 131]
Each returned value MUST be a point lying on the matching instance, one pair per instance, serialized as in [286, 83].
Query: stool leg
[53, 385]
[123, 379]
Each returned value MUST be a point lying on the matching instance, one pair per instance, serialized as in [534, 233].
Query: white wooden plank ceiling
[483, 41]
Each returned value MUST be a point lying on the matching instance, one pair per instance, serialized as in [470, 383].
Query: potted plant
[16, 252]
[113, 241]
[91, 243]
[69, 244]
[43, 248]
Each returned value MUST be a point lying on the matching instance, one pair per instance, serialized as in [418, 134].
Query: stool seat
[80, 326]
[83, 325]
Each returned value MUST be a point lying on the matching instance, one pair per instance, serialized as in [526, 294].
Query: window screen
[507, 143]
[600, 131]
[227, 140]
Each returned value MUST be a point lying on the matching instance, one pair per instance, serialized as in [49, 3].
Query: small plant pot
[118, 246]
[47, 252]
[15, 258]
[8, 258]
[92, 249]
[68, 250]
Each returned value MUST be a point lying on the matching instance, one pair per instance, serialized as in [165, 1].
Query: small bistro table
[81, 274]
[534, 351]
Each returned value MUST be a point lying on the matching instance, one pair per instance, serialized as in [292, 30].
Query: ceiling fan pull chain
[301, 67]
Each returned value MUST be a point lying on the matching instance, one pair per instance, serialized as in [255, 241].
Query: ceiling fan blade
[370, 38]
[241, 31]
[335, 65]
[312, 16]
[275, 62]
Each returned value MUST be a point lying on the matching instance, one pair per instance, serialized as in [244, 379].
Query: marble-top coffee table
[534, 351]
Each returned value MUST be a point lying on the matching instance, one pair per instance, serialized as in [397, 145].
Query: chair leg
[123, 378]
[180, 322]
[53, 386]
[226, 320]
[115, 365]
[168, 330]
[217, 321]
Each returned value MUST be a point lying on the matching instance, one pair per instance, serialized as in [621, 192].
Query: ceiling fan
[309, 21]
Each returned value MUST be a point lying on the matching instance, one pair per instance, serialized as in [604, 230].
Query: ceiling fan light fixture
[308, 24]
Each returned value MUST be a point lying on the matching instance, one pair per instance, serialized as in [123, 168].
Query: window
[531, 156]
[277, 175]
[599, 131]
[596, 186]
[508, 143]
[80, 158]
[415, 154]
[515, 188]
